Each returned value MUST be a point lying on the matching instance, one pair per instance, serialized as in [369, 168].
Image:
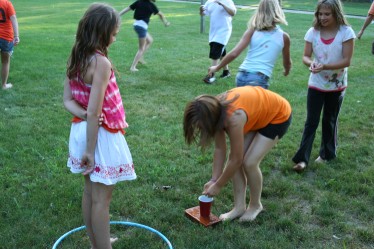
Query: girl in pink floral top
[100, 153]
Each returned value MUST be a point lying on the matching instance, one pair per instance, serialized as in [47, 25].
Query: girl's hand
[212, 70]
[316, 67]
[213, 190]
[88, 161]
[208, 184]
[167, 23]
[101, 119]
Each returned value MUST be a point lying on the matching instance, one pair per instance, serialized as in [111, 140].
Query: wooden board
[194, 214]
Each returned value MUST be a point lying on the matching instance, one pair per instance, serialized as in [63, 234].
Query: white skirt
[113, 161]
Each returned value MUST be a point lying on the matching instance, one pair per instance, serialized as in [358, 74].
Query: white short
[113, 161]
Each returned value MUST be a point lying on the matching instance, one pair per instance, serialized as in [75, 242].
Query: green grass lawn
[327, 206]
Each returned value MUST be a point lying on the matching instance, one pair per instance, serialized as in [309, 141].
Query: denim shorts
[142, 32]
[6, 46]
[244, 78]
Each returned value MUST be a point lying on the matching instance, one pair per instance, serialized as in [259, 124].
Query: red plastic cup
[205, 203]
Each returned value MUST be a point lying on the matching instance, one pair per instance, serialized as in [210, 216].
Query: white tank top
[263, 51]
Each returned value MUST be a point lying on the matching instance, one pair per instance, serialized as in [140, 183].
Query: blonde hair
[336, 10]
[268, 14]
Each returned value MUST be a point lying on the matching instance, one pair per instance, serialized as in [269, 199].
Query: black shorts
[273, 130]
[217, 50]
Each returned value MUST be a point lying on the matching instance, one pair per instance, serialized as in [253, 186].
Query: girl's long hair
[203, 117]
[336, 10]
[268, 14]
[93, 34]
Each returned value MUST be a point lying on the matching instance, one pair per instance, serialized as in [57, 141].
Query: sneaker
[299, 167]
[209, 80]
[320, 160]
[225, 74]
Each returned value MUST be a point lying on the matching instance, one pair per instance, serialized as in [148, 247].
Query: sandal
[299, 167]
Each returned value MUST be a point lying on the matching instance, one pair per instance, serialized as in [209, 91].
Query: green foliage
[327, 206]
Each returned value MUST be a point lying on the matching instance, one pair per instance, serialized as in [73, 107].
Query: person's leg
[239, 186]
[259, 147]
[86, 209]
[139, 54]
[5, 65]
[148, 43]
[101, 197]
[315, 101]
[333, 103]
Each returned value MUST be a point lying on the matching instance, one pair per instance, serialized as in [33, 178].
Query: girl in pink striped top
[100, 153]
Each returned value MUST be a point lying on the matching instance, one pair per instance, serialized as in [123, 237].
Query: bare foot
[7, 86]
[299, 167]
[251, 214]
[134, 69]
[112, 241]
[233, 214]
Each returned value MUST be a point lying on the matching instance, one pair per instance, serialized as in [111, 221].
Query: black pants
[331, 103]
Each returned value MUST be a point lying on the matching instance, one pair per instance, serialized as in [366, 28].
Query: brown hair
[203, 117]
[336, 10]
[93, 33]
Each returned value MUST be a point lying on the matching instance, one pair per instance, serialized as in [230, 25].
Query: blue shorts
[6, 46]
[244, 78]
[142, 32]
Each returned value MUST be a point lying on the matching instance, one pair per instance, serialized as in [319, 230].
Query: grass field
[327, 206]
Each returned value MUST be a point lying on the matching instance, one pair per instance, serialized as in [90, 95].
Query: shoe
[320, 160]
[7, 86]
[225, 74]
[299, 167]
[209, 80]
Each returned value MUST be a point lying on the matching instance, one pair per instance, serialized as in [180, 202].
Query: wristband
[212, 180]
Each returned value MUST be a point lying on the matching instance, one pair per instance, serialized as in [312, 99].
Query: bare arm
[124, 11]
[307, 57]
[100, 82]
[163, 18]
[71, 105]
[235, 160]
[219, 158]
[287, 62]
[368, 20]
[234, 53]
[14, 21]
[230, 10]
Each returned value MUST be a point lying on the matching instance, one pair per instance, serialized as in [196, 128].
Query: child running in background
[368, 20]
[221, 13]
[100, 153]
[143, 9]
[254, 119]
[265, 40]
[330, 41]
[9, 37]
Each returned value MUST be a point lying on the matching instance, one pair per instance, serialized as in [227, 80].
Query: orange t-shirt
[261, 106]
[6, 27]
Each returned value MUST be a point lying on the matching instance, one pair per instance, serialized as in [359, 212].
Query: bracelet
[212, 180]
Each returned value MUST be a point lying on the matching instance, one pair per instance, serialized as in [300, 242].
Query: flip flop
[299, 167]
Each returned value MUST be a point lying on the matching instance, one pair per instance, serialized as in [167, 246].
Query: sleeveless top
[113, 110]
[261, 106]
[263, 51]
